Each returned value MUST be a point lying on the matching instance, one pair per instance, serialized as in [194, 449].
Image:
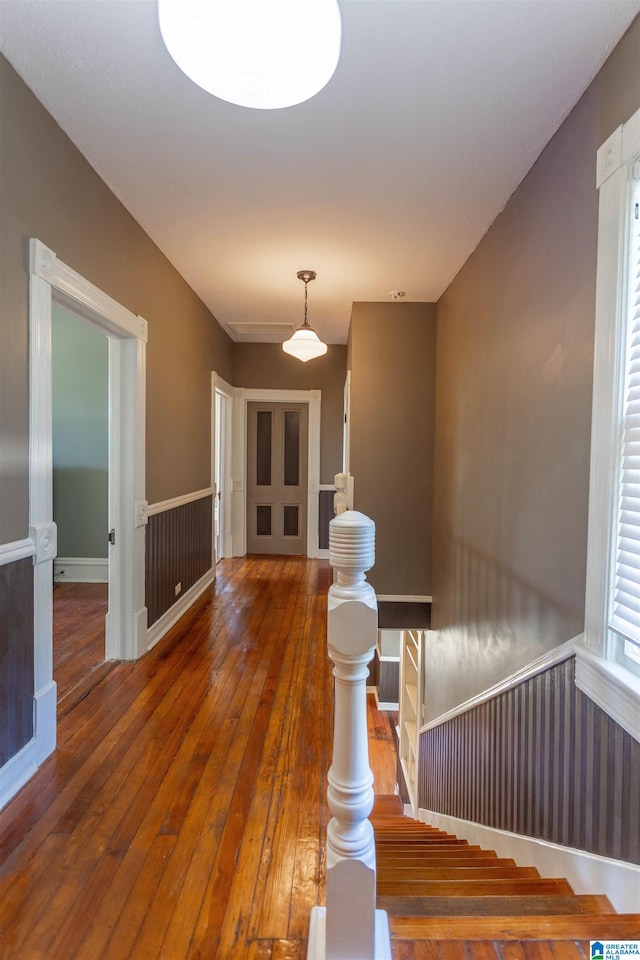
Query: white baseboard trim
[383, 704]
[171, 616]
[586, 872]
[44, 715]
[140, 631]
[17, 771]
[323, 554]
[81, 569]
[403, 598]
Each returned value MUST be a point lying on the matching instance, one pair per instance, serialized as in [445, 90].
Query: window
[624, 593]
[608, 664]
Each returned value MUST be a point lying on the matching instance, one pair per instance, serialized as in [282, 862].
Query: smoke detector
[397, 294]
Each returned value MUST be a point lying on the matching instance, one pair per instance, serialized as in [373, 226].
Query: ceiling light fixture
[255, 53]
[305, 344]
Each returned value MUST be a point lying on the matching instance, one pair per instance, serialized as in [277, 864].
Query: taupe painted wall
[49, 191]
[80, 430]
[513, 412]
[392, 350]
[265, 366]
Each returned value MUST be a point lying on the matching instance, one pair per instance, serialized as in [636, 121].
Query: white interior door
[277, 442]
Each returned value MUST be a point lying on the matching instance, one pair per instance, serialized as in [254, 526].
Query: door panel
[277, 442]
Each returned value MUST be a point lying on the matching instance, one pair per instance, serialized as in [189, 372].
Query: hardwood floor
[184, 813]
[79, 610]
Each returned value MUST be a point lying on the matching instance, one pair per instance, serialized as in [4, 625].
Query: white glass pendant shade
[305, 344]
[255, 53]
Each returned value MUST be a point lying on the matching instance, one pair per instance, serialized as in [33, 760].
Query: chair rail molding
[16, 550]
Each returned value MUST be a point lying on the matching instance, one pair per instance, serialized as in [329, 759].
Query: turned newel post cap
[352, 541]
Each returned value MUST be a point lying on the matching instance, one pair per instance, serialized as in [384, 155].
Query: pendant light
[305, 344]
[255, 53]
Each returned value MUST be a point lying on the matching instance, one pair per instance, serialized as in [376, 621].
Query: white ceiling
[385, 180]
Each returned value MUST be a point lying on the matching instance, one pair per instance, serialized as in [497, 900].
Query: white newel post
[350, 927]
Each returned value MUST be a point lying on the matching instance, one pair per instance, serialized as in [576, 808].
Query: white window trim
[615, 689]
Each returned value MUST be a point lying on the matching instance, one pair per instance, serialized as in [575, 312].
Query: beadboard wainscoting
[325, 515]
[179, 554]
[540, 760]
[16, 655]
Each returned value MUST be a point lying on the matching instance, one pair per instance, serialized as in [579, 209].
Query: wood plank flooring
[79, 610]
[184, 813]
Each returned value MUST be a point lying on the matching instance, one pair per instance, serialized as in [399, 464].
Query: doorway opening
[277, 478]
[80, 458]
[126, 621]
[242, 397]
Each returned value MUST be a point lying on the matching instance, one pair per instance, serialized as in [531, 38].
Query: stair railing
[350, 927]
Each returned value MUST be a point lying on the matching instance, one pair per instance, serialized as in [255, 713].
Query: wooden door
[277, 453]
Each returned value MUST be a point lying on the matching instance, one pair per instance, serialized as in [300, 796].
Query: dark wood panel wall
[178, 550]
[541, 760]
[16, 657]
[389, 681]
[325, 516]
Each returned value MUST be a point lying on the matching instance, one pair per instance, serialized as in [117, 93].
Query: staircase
[435, 887]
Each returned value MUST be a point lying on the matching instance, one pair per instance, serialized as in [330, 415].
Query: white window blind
[624, 617]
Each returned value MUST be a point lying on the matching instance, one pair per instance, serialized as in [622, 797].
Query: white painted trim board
[242, 396]
[81, 569]
[163, 505]
[402, 598]
[17, 550]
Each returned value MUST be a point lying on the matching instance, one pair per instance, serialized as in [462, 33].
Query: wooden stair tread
[417, 842]
[452, 852]
[388, 874]
[473, 862]
[567, 927]
[392, 828]
[494, 906]
[556, 887]
[394, 824]
[384, 804]
[437, 888]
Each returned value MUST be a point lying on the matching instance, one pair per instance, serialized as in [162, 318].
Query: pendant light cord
[306, 322]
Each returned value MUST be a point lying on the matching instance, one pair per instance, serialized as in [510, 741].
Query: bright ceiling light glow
[255, 53]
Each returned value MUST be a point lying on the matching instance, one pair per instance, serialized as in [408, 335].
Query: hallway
[183, 813]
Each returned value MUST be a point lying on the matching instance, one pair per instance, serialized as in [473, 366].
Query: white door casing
[242, 396]
[221, 447]
[277, 497]
[126, 624]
